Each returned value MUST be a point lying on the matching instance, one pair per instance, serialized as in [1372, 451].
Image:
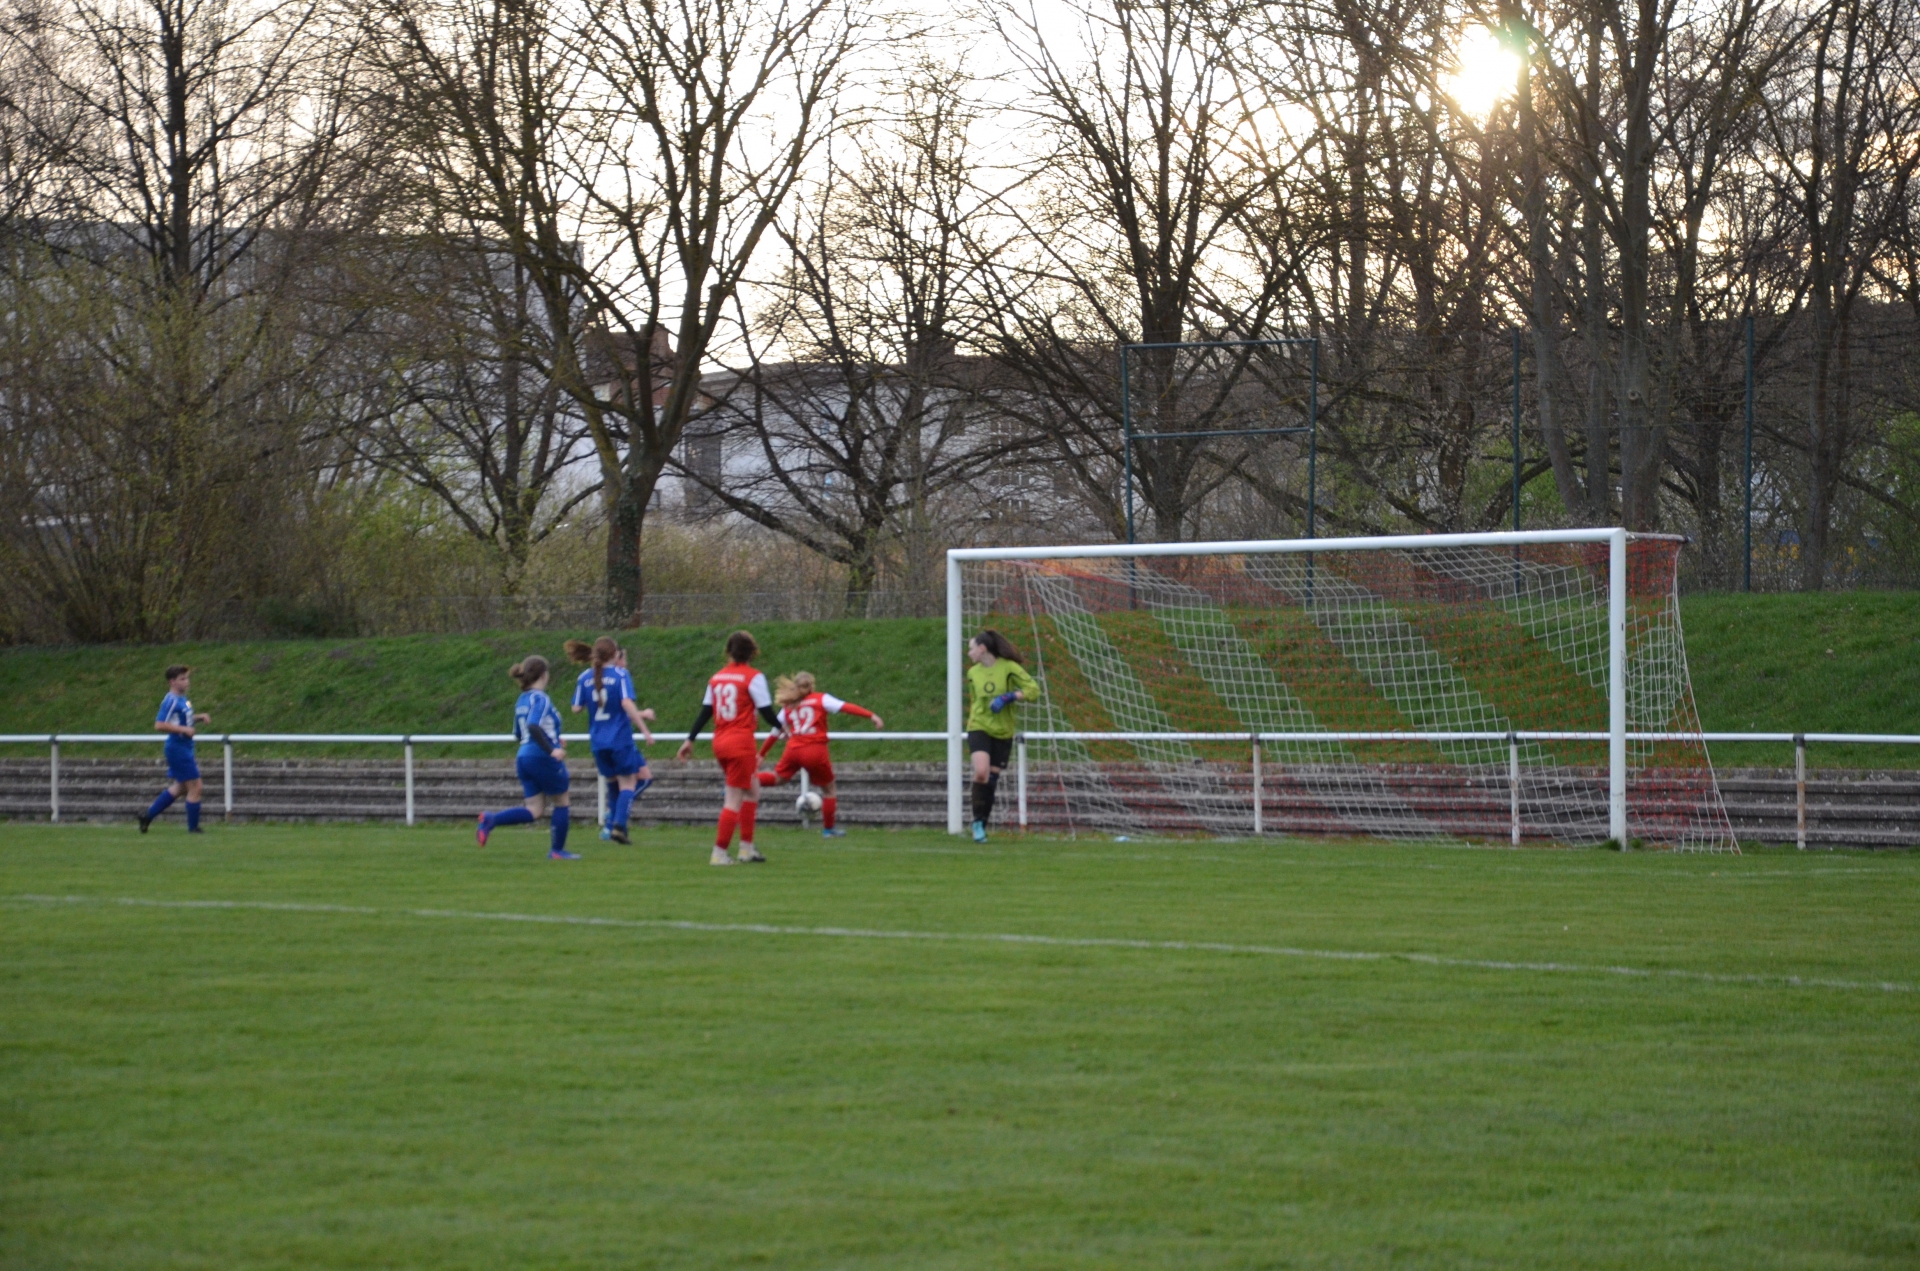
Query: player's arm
[693, 734]
[1021, 687]
[837, 707]
[639, 718]
[774, 735]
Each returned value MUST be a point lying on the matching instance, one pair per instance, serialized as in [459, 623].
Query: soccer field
[357, 1046]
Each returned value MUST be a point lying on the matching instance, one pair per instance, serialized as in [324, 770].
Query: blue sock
[193, 815]
[622, 806]
[560, 820]
[512, 816]
[160, 804]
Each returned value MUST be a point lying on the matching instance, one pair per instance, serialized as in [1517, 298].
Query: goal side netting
[1429, 687]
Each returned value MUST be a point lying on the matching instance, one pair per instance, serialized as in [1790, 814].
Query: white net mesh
[1402, 641]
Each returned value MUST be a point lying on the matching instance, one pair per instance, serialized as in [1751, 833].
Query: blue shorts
[181, 765]
[622, 761]
[540, 773]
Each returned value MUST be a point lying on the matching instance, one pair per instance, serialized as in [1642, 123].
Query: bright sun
[1483, 72]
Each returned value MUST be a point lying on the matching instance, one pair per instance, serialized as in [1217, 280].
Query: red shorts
[810, 759]
[740, 766]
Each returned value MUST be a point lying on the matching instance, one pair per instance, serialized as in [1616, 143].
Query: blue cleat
[561, 854]
[835, 833]
[979, 831]
[483, 828]
[606, 834]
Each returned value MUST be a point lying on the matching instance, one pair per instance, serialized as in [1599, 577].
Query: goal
[1510, 686]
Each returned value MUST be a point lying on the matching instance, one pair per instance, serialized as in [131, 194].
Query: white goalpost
[1525, 684]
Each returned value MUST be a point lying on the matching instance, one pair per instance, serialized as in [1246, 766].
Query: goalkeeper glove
[1001, 702]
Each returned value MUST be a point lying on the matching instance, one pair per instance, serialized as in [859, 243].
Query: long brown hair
[788, 690]
[528, 670]
[601, 653]
[998, 645]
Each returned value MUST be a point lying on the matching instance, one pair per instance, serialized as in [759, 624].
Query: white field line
[987, 937]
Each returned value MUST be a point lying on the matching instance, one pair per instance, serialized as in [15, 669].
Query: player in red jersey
[734, 694]
[803, 717]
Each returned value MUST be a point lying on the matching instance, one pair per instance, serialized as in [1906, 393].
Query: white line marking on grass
[993, 937]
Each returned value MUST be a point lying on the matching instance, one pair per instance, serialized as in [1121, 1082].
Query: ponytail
[789, 690]
[998, 645]
[600, 653]
[529, 670]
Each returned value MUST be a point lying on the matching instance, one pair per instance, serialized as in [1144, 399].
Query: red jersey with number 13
[734, 692]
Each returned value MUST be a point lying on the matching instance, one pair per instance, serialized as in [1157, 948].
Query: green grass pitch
[363, 1046]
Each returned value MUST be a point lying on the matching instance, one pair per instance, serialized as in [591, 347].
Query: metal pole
[409, 747]
[1746, 574]
[1313, 444]
[1617, 688]
[1800, 789]
[1259, 821]
[600, 790]
[1126, 436]
[226, 782]
[1513, 782]
[1020, 773]
[53, 782]
[804, 787]
[1516, 437]
[956, 650]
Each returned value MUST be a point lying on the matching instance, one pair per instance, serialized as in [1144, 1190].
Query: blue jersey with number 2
[608, 727]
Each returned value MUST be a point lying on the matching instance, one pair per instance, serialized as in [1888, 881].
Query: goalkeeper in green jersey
[996, 685]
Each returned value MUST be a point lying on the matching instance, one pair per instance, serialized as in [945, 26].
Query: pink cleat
[481, 830]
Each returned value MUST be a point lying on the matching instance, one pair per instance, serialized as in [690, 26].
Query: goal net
[1503, 686]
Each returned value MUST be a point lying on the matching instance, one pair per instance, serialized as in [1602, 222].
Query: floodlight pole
[1746, 569]
[1516, 430]
[1126, 430]
[956, 650]
[1313, 443]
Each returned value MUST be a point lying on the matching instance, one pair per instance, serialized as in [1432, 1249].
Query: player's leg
[562, 815]
[529, 812]
[820, 773]
[164, 800]
[786, 770]
[745, 774]
[982, 758]
[193, 791]
[729, 820]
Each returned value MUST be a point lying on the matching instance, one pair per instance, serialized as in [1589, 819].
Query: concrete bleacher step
[1865, 809]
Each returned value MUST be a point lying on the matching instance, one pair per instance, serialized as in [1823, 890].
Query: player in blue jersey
[542, 761]
[606, 688]
[177, 720]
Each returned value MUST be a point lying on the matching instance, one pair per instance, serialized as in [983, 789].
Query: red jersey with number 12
[806, 719]
[734, 692]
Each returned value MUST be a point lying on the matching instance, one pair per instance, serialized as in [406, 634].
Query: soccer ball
[807, 803]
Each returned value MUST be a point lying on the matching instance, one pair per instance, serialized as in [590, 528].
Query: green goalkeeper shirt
[984, 683]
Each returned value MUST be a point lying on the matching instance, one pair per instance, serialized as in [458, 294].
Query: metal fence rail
[1255, 741]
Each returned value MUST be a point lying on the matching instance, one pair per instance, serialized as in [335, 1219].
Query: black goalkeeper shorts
[997, 749]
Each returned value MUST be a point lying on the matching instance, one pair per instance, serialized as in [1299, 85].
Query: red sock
[767, 778]
[747, 812]
[827, 807]
[728, 819]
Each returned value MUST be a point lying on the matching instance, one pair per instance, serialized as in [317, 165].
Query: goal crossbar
[1614, 538]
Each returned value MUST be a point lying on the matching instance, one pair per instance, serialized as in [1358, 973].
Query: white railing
[1256, 741]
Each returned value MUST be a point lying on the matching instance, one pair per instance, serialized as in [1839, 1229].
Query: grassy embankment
[1846, 662]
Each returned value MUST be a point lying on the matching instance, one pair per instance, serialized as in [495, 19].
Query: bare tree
[875, 421]
[1843, 136]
